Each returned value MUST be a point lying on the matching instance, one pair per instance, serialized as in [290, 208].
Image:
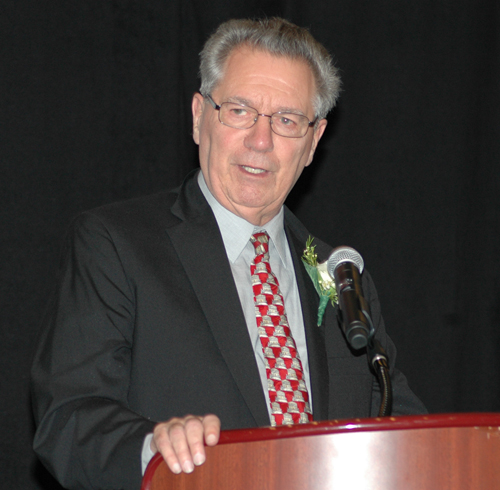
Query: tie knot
[260, 241]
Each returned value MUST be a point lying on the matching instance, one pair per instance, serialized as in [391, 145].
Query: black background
[95, 107]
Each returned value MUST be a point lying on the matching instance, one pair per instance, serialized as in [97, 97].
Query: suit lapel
[200, 248]
[318, 364]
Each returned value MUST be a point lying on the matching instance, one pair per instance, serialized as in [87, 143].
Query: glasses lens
[289, 125]
[237, 116]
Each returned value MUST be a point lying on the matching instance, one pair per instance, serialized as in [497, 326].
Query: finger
[195, 434]
[211, 426]
[201, 430]
[161, 443]
[183, 437]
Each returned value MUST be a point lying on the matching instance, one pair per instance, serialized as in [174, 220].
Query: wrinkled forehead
[300, 60]
[295, 71]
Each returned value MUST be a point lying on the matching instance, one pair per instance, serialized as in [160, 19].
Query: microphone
[345, 265]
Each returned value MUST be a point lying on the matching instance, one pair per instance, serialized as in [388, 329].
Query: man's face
[251, 171]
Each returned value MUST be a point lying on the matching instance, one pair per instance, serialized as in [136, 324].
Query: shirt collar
[236, 231]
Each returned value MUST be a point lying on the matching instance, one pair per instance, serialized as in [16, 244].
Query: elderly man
[195, 301]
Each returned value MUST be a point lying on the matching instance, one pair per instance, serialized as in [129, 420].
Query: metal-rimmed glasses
[240, 116]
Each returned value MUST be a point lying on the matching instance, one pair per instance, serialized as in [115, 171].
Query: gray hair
[278, 37]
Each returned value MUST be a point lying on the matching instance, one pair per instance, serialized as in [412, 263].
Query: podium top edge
[362, 425]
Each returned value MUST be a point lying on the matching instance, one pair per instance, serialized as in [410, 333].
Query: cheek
[300, 157]
[215, 154]
[227, 145]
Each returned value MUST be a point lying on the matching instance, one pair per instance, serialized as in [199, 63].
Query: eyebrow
[246, 102]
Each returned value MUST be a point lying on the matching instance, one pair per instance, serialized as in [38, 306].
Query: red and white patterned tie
[287, 388]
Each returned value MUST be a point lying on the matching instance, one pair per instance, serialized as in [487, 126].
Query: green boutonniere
[323, 282]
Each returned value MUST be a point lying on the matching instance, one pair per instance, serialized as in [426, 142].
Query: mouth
[252, 170]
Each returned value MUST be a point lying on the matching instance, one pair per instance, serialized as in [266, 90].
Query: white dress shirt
[236, 233]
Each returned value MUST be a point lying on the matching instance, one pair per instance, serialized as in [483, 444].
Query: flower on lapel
[323, 282]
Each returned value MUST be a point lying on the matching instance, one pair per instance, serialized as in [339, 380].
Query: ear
[197, 110]
[319, 129]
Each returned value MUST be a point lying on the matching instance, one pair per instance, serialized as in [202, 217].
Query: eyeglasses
[240, 116]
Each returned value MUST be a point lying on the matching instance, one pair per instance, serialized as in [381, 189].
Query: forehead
[260, 77]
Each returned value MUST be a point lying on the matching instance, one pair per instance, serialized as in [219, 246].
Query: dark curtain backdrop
[95, 107]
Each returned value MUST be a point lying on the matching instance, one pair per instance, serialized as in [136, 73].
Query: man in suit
[154, 325]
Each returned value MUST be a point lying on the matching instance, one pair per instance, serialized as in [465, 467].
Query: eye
[238, 111]
[287, 120]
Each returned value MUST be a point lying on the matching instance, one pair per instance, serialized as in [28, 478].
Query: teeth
[253, 170]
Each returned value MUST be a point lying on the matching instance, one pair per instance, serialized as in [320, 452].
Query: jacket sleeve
[86, 435]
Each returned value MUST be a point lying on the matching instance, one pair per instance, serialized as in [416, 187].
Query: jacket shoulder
[146, 211]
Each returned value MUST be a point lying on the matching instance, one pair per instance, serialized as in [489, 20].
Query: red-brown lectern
[434, 452]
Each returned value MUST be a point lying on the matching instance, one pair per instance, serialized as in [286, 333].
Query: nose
[260, 136]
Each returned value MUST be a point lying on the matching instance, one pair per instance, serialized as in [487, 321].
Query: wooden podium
[452, 451]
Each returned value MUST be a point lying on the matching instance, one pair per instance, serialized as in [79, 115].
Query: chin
[250, 200]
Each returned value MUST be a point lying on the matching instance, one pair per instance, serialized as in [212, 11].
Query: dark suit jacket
[146, 324]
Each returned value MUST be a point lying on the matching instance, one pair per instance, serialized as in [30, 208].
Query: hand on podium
[181, 441]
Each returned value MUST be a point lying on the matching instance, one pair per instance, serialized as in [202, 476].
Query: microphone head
[344, 254]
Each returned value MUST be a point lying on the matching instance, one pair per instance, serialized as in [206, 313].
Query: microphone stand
[345, 266]
[378, 361]
[377, 358]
